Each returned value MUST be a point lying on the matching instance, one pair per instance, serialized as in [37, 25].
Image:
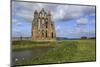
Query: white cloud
[60, 12]
[68, 12]
[14, 20]
[82, 21]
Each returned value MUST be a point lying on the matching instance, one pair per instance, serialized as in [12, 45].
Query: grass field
[63, 51]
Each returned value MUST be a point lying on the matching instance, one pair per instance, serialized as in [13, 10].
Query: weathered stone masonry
[42, 26]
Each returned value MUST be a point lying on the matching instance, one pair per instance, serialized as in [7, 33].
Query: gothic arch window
[46, 33]
[39, 24]
[42, 21]
[46, 24]
[42, 15]
[52, 34]
[52, 25]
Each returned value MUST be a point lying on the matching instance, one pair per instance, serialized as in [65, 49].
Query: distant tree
[83, 37]
[21, 38]
[92, 38]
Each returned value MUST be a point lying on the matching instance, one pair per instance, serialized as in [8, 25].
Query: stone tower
[42, 26]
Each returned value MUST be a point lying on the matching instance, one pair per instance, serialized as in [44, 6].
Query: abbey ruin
[42, 26]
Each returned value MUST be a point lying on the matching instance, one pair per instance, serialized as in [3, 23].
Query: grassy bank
[23, 44]
[63, 51]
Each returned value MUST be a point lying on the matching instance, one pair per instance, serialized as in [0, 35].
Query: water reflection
[27, 54]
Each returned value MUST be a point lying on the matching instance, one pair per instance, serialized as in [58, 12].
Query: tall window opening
[46, 24]
[52, 34]
[39, 24]
[46, 33]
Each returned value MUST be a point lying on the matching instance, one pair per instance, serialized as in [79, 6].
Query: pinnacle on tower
[35, 12]
[49, 13]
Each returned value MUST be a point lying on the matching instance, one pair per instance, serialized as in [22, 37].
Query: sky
[70, 21]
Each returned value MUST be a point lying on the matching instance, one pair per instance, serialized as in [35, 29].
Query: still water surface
[27, 54]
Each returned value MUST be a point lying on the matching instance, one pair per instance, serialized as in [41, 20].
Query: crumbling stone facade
[42, 26]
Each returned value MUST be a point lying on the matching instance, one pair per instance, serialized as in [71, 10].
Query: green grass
[63, 51]
[23, 44]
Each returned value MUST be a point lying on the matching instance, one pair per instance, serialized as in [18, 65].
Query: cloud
[26, 10]
[59, 12]
[16, 22]
[23, 12]
[82, 21]
[69, 12]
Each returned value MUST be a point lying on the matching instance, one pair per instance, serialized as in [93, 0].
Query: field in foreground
[61, 51]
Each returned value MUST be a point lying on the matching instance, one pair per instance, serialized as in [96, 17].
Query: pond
[27, 54]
